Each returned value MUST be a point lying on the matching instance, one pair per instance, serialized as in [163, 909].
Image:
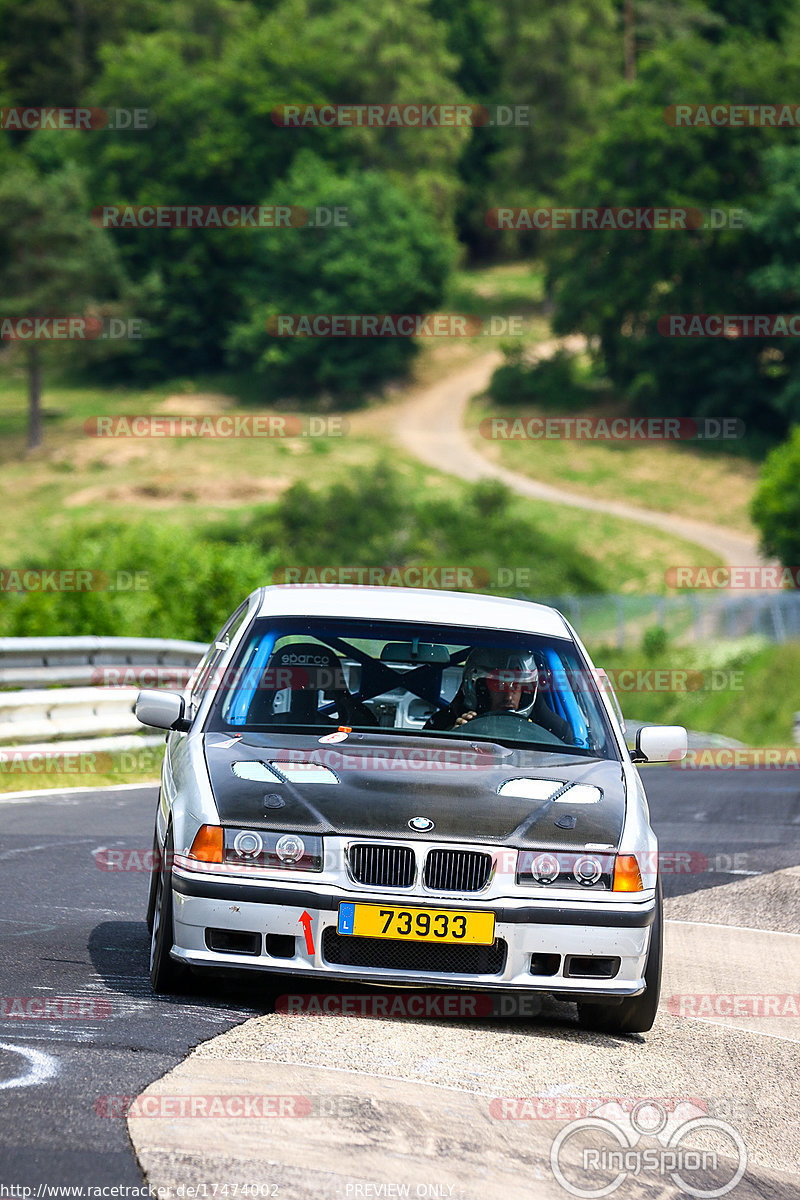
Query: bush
[190, 584]
[554, 383]
[382, 521]
[194, 579]
[776, 504]
[654, 641]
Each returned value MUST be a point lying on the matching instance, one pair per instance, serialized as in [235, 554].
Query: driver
[494, 682]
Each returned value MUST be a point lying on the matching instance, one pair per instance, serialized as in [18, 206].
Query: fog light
[290, 848]
[545, 868]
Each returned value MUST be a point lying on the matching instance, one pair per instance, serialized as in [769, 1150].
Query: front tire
[635, 1014]
[152, 895]
[166, 975]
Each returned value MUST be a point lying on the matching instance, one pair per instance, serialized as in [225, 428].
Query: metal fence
[621, 621]
[52, 689]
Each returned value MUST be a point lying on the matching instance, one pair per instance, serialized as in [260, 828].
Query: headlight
[255, 849]
[545, 868]
[290, 849]
[248, 843]
[559, 868]
[587, 871]
[248, 848]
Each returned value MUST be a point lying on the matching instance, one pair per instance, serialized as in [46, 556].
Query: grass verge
[743, 689]
[22, 772]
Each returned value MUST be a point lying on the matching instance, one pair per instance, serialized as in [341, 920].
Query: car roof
[412, 604]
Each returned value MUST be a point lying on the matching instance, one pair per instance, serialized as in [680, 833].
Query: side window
[207, 668]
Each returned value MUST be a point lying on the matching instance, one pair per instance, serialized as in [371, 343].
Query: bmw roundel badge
[421, 824]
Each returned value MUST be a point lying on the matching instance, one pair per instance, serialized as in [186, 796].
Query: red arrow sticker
[305, 921]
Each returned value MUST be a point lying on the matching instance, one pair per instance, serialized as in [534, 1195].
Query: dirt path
[430, 425]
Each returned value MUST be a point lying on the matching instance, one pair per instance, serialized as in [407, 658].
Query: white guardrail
[83, 687]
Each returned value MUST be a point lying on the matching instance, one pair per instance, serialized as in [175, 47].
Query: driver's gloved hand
[467, 716]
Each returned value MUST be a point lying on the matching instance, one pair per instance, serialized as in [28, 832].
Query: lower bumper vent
[225, 941]
[591, 967]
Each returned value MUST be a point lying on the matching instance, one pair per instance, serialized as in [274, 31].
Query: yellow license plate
[416, 924]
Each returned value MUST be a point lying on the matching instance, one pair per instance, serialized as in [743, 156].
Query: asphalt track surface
[70, 930]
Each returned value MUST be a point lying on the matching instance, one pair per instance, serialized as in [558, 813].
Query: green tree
[390, 257]
[777, 280]
[768, 18]
[51, 48]
[53, 261]
[776, 504]
[616, 285]
[212, 87]
[556, 63]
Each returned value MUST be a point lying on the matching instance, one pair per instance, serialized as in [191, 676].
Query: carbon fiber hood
[377, 784]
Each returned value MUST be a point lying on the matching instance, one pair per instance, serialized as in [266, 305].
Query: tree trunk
[630, 41]
[34, 398]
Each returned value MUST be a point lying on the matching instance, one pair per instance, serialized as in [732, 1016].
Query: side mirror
[161, 710]
[660, 743]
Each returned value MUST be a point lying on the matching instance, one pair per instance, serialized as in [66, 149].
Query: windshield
[309, 675]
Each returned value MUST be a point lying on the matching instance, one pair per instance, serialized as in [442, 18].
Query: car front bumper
[587, 929]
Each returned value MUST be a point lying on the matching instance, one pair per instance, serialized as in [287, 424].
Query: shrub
[776, 504]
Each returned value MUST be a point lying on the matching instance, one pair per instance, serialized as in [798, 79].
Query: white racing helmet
[488, 671]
